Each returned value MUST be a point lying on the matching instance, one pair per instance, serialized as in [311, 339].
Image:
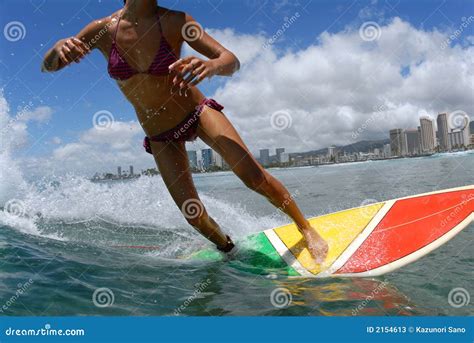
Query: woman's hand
[190, 71]
[71, 50]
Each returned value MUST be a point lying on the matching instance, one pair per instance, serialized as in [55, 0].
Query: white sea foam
[51, 207]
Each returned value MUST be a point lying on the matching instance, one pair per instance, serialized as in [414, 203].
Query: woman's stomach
[158, 110]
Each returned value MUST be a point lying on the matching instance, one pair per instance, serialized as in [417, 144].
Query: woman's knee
[257, 179]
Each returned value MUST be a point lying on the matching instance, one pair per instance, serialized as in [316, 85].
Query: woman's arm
[74, 48]
[191, 70]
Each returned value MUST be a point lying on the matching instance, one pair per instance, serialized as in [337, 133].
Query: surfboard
[366, 241]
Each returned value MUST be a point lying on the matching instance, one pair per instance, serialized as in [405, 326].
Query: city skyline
[426, 139]
[448, 132]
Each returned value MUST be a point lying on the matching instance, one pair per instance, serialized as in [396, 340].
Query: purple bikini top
[119, 69]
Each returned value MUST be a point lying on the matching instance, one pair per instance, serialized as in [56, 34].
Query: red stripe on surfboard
[410, 225]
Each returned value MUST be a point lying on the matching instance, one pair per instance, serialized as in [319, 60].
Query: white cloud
[39, 114]
[102, 149]
[56, 140]
[96, 149]
[331, 88]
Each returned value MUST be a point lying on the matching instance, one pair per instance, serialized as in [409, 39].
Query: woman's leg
[173, 163]
[218, 132]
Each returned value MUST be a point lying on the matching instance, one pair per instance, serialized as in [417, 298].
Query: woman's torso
[157, 109]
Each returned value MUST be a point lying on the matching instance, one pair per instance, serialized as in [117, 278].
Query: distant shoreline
[136, 176]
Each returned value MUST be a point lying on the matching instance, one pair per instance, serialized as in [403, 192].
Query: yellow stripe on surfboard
[338, 229]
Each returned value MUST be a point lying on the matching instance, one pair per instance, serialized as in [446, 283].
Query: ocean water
[61, 246]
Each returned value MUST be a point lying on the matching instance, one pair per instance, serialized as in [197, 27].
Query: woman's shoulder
[94, 33]
[172, 18]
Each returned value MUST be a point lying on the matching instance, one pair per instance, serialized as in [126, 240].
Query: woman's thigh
[219, 133]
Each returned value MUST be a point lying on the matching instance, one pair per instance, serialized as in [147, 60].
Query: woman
[142, 43]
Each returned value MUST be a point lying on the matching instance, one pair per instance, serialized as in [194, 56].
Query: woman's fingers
[200, 77]
[79, 49]
[176, 65]
[188, 78]
[74, 49]
[83, 46]
[193, 64]
[189, 72]
[67, 52]
[192, 80]
[70, 51]
[62, 57]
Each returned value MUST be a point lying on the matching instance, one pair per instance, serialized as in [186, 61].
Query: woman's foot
[317, 246]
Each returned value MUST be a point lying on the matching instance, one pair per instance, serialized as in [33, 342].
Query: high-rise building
[398, 144]
[456, 138]
[207, 158]
[428, 135]
[412, 142]
[331, 151]
[131, 171]
[192, 157]
[386, 150]
[284, 157]
[466, 132]
[471, 127]
[443, 132]
[265, 157]
[460, 137]
[119, 171]
[218, 161]
[278, 153]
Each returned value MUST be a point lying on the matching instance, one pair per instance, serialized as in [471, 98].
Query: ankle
[305, 227]
[228, 246]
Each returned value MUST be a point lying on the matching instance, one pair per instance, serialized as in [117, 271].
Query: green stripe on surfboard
[255, 254]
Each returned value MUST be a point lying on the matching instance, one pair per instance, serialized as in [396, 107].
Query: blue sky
[76, 93]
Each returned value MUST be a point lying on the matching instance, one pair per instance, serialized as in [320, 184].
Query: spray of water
[72, 208]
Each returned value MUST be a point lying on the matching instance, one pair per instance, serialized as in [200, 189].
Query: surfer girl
[142, 43]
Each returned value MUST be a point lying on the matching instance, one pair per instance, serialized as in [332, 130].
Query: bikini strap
[116, 29]
[159, 21]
